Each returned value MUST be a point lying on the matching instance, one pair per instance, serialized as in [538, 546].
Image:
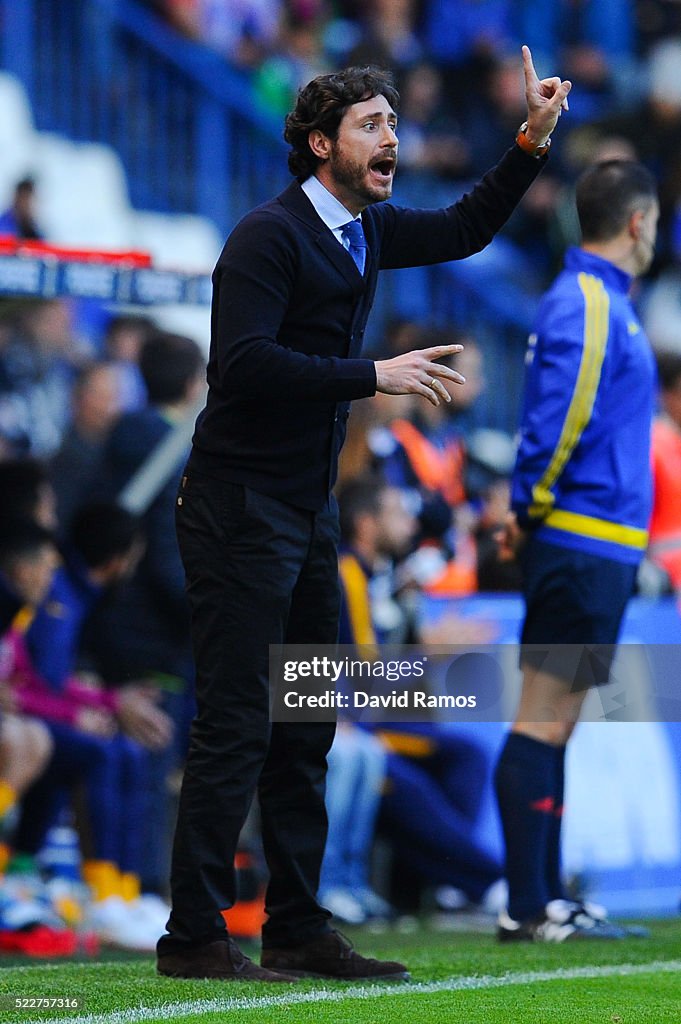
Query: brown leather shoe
[331, 956]
[221, 960]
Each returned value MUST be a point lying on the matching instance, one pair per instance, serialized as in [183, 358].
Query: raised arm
[422, 237]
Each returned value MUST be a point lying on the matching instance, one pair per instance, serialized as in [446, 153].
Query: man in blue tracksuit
[581, 499]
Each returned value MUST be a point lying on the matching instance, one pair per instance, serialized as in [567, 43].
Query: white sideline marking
[170, 1011]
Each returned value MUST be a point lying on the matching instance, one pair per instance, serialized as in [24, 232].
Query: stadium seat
[176, 241]
[17, 136]
[83, 193]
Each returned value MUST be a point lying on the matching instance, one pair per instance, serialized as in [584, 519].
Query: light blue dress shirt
[331, 211]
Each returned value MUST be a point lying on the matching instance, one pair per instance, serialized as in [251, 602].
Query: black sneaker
[562, 921]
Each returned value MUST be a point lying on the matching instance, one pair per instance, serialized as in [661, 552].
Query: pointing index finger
[528, 65]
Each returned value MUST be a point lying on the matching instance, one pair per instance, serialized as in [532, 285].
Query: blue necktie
[357, 243]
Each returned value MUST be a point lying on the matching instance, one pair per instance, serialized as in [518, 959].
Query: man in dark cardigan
[256, 518]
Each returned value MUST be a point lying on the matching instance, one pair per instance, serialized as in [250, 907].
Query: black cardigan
[288, 318]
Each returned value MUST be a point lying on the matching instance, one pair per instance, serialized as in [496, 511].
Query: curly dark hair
[321, 105]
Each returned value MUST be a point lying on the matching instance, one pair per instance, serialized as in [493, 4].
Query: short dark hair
[26, 184]
[358, 497]
[21, 481]
[130, 322]
[21, 538]
[322, 104]
[168, 363]
[669, 370]
[88, 370]
[102, 530]
[607, 195]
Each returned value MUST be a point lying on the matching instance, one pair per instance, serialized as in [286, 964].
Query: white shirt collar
[328, 208]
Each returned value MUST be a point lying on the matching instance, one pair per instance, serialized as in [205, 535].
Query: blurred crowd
[458, 70]
[95, 420]
[96, 677]
[95, 660]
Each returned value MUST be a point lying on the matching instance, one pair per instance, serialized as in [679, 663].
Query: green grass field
[460, 976]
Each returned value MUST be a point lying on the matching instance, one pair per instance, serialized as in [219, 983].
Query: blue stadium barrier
[46, 278]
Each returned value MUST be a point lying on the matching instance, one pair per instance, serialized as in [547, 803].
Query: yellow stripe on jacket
[596, 318]
[599, 529]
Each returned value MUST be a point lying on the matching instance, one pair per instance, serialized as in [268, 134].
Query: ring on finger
[433, 383]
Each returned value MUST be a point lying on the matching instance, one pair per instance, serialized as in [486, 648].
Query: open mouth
[383, 169]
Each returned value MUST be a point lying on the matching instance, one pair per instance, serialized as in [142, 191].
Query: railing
[192, 139]
[183, 122]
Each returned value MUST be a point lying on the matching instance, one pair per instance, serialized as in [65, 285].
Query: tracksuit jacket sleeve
[256, 285]
[560, 386]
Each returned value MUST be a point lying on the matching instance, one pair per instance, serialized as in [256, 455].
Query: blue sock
[525, 786]
[554, 878]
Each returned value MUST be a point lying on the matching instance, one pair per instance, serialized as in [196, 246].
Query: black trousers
[258, 571]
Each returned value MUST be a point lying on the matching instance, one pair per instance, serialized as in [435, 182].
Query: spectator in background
[38, 364]
[428, 444]
[241, 30]
[435, 776]
[656, 20]
[665, 523]
[25, 750]
[102, 549]
[424, 453]
[28, 925]
[491, 457]
[86, 748]
[27, 493]
[374, 522]
[124, 340]
[146, 628]
[389, 38]
[462, 36]
[25, 743]
[142, 631]
[298, 57]
[76, 468]
[433, 143]
[20, 218]
[354, 781]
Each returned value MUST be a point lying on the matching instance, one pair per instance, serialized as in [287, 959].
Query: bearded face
[360, 163]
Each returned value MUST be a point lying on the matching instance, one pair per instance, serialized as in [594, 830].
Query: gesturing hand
[545, 101]
[140, 719]
[510, 538]
[95, 722]
[415, 373]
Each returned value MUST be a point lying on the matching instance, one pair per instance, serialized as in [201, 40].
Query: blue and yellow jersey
[582, 476]
[356, 626]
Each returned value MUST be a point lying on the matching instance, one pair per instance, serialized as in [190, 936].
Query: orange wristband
[527, 147]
